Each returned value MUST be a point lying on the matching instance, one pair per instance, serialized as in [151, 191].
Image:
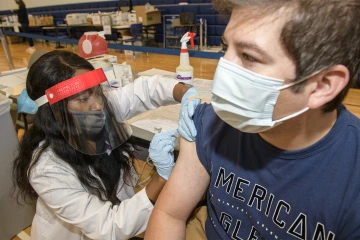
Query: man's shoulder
[210, 127]
[205, 116]
[353, 120]
[347, 117]
[204, 108]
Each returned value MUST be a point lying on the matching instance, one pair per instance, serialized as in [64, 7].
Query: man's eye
[248, 58]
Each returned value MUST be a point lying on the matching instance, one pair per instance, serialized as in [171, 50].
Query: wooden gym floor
[203, 68]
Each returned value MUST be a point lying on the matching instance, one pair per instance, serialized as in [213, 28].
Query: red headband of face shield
[72, 86]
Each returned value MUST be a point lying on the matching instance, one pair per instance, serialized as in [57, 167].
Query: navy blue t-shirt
[258, 191]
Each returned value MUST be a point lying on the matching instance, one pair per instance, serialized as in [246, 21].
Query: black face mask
[90, 122]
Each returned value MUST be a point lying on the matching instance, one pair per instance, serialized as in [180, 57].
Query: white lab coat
[66, 211]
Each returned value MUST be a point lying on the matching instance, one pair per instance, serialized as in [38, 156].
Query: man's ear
[327, 85]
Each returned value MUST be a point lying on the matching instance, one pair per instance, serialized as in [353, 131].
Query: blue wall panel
[202, 8]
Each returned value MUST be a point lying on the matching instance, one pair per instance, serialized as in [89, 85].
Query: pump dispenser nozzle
[192, 36]
[187, 36]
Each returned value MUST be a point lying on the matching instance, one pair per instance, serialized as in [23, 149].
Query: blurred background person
[24, 21]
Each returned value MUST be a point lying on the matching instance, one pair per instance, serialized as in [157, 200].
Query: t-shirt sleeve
[201, 125]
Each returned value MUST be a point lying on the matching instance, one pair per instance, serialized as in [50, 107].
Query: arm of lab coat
[57, 185]
[145, 93]
[185, 188]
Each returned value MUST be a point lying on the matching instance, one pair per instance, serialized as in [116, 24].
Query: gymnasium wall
[10, 4]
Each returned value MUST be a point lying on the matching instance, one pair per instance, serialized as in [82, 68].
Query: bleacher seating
[203, 9]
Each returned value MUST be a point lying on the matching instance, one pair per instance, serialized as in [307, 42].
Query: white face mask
[246, 100]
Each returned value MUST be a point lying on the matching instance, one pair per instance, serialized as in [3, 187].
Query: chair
[114, 36]
[15, 217]
[136, 35]
[35, 56]
[149, 33]
[23, 119]
[60, 32]
[64, 33]
[26, 108]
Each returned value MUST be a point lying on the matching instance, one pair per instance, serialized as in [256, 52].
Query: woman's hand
[161, 152]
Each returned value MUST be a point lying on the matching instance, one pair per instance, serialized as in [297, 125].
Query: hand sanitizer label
[185, 77]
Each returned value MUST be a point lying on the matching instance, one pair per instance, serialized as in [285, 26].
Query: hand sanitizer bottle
[185, 72]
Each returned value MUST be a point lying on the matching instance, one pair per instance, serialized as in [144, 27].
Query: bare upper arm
[187, 184]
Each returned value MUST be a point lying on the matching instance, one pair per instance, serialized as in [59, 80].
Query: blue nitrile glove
[161, 152]
[186, 123]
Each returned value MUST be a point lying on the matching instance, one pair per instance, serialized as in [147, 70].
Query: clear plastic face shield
[87, 121]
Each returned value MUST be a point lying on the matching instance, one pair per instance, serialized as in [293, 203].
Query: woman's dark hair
[47, 71]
